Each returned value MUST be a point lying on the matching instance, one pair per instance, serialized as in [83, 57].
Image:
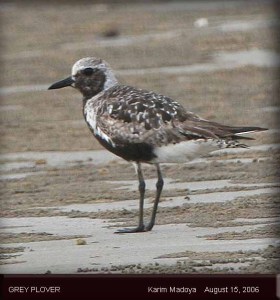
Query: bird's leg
[142, 185]
[159, 186]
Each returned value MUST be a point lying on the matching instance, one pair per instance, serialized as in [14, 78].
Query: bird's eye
[87, 71]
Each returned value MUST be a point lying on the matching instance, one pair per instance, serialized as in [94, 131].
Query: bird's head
[90, 76]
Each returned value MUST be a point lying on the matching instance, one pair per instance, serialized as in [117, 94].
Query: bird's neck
[110, 81]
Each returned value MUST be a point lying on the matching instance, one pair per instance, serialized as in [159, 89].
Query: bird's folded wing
[155, 122]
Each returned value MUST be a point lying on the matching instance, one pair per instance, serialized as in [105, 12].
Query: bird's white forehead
[88, 62]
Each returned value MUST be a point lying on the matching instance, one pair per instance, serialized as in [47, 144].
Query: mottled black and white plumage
[144, 127]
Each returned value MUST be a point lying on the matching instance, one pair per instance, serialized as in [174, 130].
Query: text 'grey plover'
[144, 127]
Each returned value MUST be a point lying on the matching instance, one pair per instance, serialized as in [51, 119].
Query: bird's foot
[131, 230]
[149, 227]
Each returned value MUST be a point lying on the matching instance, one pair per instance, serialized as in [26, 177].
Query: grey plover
[144, 127]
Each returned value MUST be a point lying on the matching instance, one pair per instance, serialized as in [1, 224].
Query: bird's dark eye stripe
[88, 71]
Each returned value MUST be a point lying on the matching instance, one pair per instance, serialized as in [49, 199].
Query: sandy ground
[63, 196]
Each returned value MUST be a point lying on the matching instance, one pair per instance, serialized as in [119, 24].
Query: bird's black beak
[62, 83]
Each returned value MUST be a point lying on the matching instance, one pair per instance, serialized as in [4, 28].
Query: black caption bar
[103, 287]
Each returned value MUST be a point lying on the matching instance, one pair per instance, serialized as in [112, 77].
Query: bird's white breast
[91, 119]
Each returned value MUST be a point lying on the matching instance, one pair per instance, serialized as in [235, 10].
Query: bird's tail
[237, 132]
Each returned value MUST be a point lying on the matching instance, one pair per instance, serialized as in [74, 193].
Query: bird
[143, 126]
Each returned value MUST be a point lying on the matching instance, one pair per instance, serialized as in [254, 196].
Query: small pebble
[40, 162]
[81, 242]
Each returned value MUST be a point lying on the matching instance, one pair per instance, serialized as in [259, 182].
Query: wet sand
[63, 196]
